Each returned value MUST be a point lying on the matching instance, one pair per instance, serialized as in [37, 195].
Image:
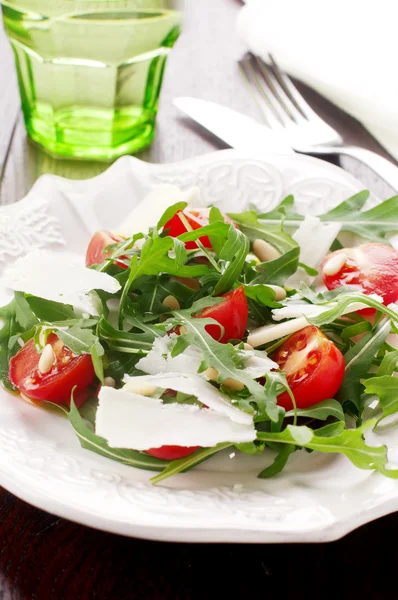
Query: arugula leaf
[49, 311]
[279, 463]
[155, 259]
[278, 270]
[169, 213]
[153, 290]
[79, 340]
[23, 313]
[262, 294]
[9, 329]
[389, 364]
[184, 464]
[358, 360]
[321, 411]
[386, 389]
[349, 442]
[125, 341]
[233, 253]
[342, 302]
[255, 229]
[372, 224]
[89, 440]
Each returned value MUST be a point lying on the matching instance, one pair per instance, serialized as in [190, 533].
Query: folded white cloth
[345, 49]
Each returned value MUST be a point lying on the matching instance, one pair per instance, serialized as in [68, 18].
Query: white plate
[318, 498]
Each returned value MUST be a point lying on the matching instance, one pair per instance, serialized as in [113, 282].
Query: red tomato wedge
[68, 371]
[313, 365]
[96, 254]
[196, 218]
[172, 452]
[373, 267]
[232, 314]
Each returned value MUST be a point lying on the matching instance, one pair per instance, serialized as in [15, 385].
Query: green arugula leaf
[184, 464]
[9, 329]
[233, 254]
[277, 271]
[372, 224]
[79, 340]
[341, 304]
[23, 313]
[349, 442]
[279, 463]
[169, 213]
[155, 259]
[251, 226]
[125, 341]
[386, 389]
[262, 294]
[358, 360]
[321, 411]
[89, 440]
[389, 363]
[49, 311]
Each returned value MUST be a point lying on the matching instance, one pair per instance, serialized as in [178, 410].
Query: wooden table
[44, 557]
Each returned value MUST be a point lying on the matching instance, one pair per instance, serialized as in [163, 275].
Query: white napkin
[345, 49]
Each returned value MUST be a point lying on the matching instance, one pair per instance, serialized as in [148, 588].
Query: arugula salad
[189, 332]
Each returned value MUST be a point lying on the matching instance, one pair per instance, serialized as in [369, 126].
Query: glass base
[80, 133]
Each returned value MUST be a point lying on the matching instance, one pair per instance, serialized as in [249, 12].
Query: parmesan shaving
[136, 422]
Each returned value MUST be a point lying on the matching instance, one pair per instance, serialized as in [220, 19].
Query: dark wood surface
[44, 557]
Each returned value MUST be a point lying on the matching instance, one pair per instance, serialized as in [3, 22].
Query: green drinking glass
[90, 71]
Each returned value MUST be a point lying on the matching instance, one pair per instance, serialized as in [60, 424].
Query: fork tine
[256, 91]
[287, 110]
[292, 92]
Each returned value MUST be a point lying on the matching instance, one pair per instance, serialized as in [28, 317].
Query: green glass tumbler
[90, 71]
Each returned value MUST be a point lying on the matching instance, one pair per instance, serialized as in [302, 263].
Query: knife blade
[234, 128]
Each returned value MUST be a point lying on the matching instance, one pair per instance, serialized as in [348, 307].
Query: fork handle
[379, 165]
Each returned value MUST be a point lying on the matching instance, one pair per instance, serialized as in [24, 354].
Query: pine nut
[171, 302]
[183, 330]
[190, 282]
[109, 382]
[264, 251]
[232, 384]
[335, 264]
[280, 293]
[211, 374]
[46, 359]
[139, 387]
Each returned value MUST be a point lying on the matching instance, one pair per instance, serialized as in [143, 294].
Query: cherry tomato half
[313, 365]
[172, 452]
[373, 267]
[96, 254]
[232, 314]
[68, 371]
[196, 218]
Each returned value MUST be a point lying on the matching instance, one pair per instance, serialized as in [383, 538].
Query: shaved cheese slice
[58, 277]
[314, 239]
[151, 208]
[257, 366]
[196, 386]
[269, 333]
[159, 359]
[136, 422]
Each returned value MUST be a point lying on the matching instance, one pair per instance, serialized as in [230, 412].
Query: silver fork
[285, 111]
